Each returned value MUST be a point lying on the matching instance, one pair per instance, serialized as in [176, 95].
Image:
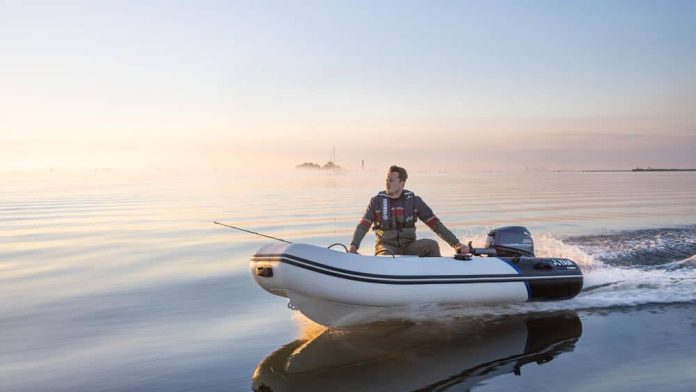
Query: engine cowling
[508, 241]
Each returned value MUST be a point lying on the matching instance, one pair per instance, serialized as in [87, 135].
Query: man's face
[394, 185]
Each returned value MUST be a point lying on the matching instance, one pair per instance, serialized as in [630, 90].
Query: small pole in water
[251, 232]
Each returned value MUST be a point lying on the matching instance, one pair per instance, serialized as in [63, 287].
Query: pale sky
[461, 85]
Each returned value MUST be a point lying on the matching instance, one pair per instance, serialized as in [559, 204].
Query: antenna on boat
[251, 232]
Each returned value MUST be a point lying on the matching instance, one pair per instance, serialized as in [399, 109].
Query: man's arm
[363, 227]
[425, 214]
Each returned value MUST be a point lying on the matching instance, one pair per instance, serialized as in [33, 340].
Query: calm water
[112, 281]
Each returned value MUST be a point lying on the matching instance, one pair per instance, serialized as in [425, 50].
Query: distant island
[650, 169]
[638, 169]
[311, 165]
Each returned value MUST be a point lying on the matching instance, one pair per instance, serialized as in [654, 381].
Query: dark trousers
[423, 248]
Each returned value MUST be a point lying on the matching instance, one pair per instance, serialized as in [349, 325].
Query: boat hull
[320, 281]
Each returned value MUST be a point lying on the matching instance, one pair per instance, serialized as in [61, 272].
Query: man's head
[396, 180]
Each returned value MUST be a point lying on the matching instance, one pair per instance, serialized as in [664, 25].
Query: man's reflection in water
[406, 356]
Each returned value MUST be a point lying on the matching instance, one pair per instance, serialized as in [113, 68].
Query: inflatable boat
[335, 289]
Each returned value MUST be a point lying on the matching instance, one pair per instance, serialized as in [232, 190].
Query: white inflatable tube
[328, 286]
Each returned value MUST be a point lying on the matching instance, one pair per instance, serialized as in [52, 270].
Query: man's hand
[353, 248]
[462, 249]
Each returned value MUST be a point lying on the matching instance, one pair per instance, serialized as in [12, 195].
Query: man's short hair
[401, 171]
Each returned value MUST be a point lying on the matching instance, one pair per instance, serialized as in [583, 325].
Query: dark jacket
[394, 220]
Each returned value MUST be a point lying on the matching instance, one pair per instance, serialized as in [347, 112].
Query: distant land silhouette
[315, 166]
[639, 169]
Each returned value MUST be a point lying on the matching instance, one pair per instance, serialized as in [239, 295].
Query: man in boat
[392, 214]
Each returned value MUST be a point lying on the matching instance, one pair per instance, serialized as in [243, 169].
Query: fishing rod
[268, 236]
[251, 232]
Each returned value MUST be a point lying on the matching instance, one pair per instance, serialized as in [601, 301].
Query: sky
[438, 85]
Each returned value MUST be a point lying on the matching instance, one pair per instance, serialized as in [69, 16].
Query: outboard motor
[508, 241]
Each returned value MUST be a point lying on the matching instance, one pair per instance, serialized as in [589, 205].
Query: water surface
[119, 281]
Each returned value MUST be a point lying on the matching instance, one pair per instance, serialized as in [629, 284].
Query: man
[393, 215]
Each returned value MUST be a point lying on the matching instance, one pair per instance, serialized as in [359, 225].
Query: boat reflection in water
[406, 356]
